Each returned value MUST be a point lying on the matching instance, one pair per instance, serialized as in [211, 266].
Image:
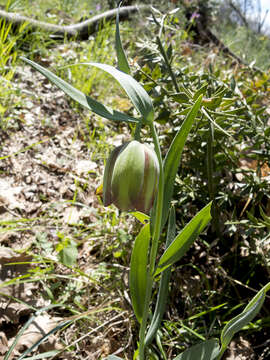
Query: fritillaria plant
[138, 179]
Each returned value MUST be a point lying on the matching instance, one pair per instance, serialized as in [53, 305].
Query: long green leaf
[138, 271]
[163, 286]
[241, 320]
[207, 350]
[172, 159]
[134, 90]
[184, 239]
[80, 97]
[121, 56]
[143, 218]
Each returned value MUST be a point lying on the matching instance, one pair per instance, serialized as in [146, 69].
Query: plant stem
[137, 135]
[149, 285]
[210, 176]
[210, 170]
[167, 62]
[157, 219]
[222, 350]
[158, 209]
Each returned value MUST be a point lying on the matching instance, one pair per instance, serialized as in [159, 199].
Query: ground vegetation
[64, 257]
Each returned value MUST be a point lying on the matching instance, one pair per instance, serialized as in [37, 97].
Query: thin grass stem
[167, 62]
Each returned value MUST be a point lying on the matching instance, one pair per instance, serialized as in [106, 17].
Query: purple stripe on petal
[107, 180]
[139, 201]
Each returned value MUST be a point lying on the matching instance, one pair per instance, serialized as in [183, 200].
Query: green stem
[159, 206]
[149, 285]
[157, 219]
[210, 176]
[137, 135]
[167, 62]
[222, 350]
[210, 170]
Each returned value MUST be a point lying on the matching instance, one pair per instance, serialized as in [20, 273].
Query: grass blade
[47, 354]
[45, 337]
[241, 320]
[25, 326]
[184, 239]
[80, 97]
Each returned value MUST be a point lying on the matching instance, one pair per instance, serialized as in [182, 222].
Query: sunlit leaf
[172, 160]
[134, 90]
[185, 239]
[138, 271]
[241, 320]
[180, 97]
[80, 97]
[143, 218]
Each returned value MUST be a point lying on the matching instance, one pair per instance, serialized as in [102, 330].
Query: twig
[80, 30]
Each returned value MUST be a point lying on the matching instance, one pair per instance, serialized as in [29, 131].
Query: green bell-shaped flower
[131, 177]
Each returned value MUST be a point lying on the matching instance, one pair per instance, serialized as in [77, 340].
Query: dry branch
[84, 29]
[205, 36]
[81, 30]
[240, 14]
[208, 36]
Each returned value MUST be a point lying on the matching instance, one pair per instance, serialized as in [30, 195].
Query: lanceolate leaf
[241, 320]
[143, 218]
[134, 90]
[80, 97]
[207, 350]
[172, 160]
[185, 239]
[138, 271]
[121, 56]
[163, 286]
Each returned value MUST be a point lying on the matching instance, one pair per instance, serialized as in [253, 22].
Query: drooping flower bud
[131, 177]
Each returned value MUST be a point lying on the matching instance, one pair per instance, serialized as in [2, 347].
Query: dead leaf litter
[48, 178]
